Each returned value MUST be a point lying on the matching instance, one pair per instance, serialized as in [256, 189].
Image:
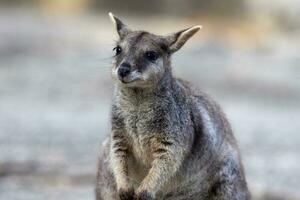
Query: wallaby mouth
[123, 80]
[125, 73]
[130, 77]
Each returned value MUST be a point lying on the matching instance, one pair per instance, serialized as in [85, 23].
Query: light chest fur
[139, 115]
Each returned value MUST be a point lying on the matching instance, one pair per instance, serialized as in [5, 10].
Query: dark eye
[118, 50]
[151, 55]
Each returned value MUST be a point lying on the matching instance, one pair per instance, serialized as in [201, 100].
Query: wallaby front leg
[119, 155]
[167, 160]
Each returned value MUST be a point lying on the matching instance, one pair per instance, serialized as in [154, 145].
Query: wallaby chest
[140, 126]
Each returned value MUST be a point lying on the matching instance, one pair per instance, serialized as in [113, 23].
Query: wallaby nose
[124, 70]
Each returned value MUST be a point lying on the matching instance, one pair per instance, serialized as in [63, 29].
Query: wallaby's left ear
[121, 28]
[177, 40]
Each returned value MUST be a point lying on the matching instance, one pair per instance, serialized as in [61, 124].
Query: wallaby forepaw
[126, 194]
[143, 195]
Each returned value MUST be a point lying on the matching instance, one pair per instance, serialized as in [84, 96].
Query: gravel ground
[55, 93]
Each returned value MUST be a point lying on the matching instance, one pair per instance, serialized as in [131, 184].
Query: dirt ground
[55, 92]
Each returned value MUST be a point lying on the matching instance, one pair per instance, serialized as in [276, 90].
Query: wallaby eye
[117, 49]
[151, 55]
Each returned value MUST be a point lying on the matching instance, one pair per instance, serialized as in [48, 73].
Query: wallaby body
[168, 140]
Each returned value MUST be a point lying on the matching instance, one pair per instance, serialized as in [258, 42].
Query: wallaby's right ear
[121, 28]
[178, 39]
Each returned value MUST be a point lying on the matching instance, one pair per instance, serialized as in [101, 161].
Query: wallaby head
[141, 58]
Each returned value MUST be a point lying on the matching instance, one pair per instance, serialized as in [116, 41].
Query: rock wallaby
[168, 140]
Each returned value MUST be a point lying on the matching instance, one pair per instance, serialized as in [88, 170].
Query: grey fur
[168, 140]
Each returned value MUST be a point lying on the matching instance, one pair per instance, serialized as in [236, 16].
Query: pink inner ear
[182, 36]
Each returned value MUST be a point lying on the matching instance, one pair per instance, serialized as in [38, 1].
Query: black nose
[124, 70]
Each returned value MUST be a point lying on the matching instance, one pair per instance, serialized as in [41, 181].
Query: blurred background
[55, 86]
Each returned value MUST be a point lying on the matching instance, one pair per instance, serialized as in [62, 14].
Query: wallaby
[168, 140]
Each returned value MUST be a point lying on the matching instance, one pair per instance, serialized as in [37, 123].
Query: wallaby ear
[178, 39]
[121, 28]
